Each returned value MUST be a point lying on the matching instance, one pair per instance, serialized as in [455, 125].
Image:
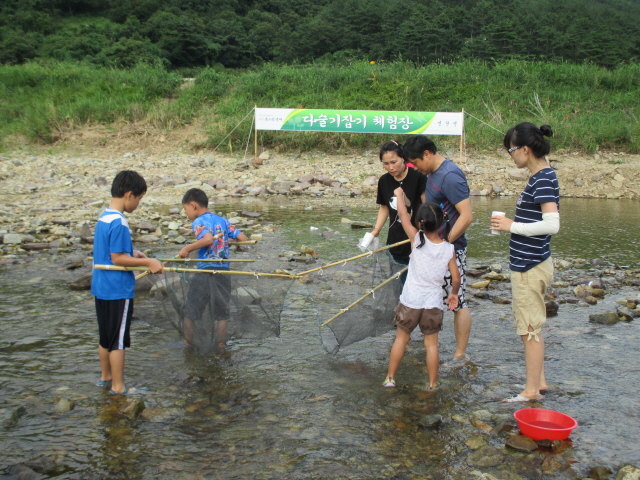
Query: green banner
[359, 121]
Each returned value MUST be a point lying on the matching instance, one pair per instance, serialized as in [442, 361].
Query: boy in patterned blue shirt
[212, 242]
[114, 290]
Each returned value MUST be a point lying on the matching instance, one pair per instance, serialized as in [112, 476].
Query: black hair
[526, 134]
[128, 181]
[196, 195]
[430, 217]
[391, 146]
[415, 147]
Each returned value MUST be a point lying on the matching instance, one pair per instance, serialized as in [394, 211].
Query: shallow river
[283, 408]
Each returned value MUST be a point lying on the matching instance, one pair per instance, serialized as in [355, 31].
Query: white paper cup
[497, 214]
[366, 241]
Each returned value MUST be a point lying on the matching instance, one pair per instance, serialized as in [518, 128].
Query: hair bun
[546, 131]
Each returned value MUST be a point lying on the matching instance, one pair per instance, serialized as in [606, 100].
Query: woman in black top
[412, 182]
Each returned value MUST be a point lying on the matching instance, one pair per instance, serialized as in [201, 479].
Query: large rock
[282, 187]
[628, 472]
[522, 443]
[134, 408]
[12, 239]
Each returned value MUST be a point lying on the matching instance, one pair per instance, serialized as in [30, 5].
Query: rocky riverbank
[53, 200]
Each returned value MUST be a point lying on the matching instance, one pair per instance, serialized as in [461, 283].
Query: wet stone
[591, 300]
[134, 408]
[626, 314]
[485, 457]
[430, 422]
[500, 300]
[600, 472]
[62, 404]
[552, 308]
[628, 472]
[522, 443]
[22, 472]
[476, 442]
[550, 464]
[361, 225]
[607, 318]
[501, 428]
[83, 283]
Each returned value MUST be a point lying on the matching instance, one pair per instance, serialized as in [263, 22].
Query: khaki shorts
[528, 289]
[429, 319]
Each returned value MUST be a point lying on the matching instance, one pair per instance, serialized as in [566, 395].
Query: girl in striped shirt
[537, 218]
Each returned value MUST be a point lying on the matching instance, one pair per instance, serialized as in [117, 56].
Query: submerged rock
[600, 472]
[522, 443]
[430, 422]
[485, 457]
[62, 404]
[607, 318]
[134, 408]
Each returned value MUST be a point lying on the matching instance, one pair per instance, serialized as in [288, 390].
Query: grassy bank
[588, 107]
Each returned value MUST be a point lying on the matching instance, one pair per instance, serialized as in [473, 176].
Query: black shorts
[206, 289]
[114, 321]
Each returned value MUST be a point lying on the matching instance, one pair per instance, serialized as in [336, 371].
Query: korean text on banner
[359, 121]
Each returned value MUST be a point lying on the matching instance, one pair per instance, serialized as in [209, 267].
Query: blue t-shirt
[112, 235]
[527, 252]
[446, 187]
[222, 231]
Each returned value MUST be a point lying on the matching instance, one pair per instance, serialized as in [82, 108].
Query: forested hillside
[185, 34]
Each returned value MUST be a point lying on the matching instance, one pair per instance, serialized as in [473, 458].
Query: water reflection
[281, 408]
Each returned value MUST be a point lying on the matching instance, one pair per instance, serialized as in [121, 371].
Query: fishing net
[358, 299]
[210, 308]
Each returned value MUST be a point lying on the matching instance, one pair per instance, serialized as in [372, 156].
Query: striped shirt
[527, 252]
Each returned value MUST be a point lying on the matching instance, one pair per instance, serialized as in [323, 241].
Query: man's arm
[464, 220]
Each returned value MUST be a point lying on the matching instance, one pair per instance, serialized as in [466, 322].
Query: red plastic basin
[542, 424]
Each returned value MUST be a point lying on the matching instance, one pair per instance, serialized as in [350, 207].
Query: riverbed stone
[626, 314]
[606, 318]
[82, 283]
[522, 443]
[148, 238]
[487, 456]
[62, 404]
[12, 239]
[134, 408]
[481, 284]
[360, 224]
[476, 442]
[628, 472]
[600, 472]
[430, 422]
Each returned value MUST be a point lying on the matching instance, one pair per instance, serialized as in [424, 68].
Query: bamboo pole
[192, 270]
[199, 259]
[356, 257]
[345, 310]
[255, 137]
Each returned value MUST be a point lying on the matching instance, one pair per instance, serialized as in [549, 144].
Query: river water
[283, 408]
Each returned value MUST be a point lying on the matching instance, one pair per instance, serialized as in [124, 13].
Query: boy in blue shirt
[114, 290]
[212, 242]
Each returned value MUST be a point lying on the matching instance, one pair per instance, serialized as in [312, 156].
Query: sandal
[389, 382]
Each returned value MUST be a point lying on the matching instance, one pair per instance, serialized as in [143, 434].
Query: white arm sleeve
[549, 225]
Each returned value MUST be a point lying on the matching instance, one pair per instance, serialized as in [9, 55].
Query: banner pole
[462, 159]
[255, 137]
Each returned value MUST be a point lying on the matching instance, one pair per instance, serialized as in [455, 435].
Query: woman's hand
[501, 223]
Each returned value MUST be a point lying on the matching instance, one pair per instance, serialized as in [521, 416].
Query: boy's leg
[433, 358]
[116, 360]
[221, 333]
[187, 331]
[397, 351]
[105, 365]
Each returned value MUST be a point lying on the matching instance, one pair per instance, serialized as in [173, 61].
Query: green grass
[588, 107]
